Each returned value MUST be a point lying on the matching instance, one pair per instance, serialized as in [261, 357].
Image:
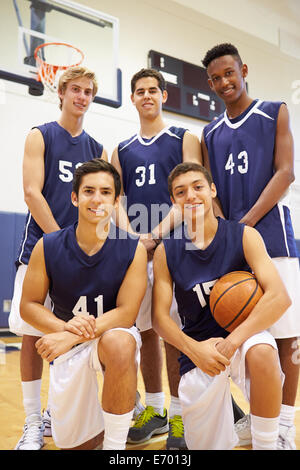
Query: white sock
[264, 432]
[175, 407]
[32, 397]
[156, 400]
[287, 415]
[116, 429]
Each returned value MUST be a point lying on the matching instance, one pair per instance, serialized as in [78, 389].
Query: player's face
[193, 194]
[96, 197]
[148, 97]
[227, 78]
[77, 96]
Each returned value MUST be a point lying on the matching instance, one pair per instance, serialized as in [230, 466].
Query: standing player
[144, 162]
[90, 269]
[52, 152]
[249, 150]
[194, 257]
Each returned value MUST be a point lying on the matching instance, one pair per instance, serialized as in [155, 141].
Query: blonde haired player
[52, 153]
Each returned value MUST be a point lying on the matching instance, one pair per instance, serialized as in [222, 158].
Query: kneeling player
[91, 270]
[194, 257]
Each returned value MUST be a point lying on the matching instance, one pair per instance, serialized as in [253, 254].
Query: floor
[11, 408]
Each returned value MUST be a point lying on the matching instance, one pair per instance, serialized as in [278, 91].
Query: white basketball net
[53, 59]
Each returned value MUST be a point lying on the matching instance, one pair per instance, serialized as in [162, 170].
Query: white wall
[167, 27]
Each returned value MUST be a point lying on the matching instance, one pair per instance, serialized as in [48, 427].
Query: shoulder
[92, 140]
[174, 244]
[57, 236]
[177, 132]
[269, 109]
[46, 128]
[209, 128]
[125, 143]
[231, 225]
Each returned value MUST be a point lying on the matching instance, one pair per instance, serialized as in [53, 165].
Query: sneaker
[33, 433]
[139, 407]
[146, 424]
[243, 430]
[47, 423]
[176, 439]
[286, 438]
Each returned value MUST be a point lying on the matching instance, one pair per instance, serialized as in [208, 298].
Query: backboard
[28, 23]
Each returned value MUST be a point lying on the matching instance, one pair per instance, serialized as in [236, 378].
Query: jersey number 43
[242, 167]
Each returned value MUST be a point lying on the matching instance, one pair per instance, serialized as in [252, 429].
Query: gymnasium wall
[175, 30]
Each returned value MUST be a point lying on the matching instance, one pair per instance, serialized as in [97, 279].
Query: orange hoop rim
[42, 62]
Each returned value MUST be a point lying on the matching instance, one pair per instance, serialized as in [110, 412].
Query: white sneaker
[243, 429]
[33, 432]
[139, 407]
[47, 423]
[286, 438]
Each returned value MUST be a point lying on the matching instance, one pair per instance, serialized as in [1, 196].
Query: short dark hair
[94, 166]
[185, 167]
[219, 51]
[144, 73]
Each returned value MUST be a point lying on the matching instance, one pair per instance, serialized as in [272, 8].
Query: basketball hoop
[48, 73]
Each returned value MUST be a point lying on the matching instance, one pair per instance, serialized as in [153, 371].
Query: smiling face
[148, 97]
[96, 197]
[227, 78]
[77, 96]
[193, 194]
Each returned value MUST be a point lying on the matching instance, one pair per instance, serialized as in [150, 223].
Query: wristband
[156, 239]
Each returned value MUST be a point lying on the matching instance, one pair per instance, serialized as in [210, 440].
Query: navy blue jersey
[63, 153]
[146, 164]
[86, 284]
[194, 273]
[241, 155]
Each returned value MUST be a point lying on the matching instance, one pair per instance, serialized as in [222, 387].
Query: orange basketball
[233, 297]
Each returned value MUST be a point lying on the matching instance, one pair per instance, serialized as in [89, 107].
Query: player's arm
[203, 353]
[191, 149]
[283, 174]
[128, 303]
[35, 289]
[104, 155]
[33, 182]
[274, 301]
[216, 203]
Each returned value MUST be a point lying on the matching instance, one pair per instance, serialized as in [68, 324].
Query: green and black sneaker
[176, 439]
[147, 423]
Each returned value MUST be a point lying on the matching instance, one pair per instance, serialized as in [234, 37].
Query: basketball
[233, 297]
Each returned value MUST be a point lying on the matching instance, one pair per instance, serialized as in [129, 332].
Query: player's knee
[262, 359]
[118, 349]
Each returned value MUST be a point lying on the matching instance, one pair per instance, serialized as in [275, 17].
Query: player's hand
[82, 325]
[226, 348]
[55, 344]
[149, 243]
[247, 221]
[208, 358]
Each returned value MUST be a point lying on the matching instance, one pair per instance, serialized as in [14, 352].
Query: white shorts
[144, 321]
[76, 415]
[16, 324]
[206, 401]
[288, 326]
